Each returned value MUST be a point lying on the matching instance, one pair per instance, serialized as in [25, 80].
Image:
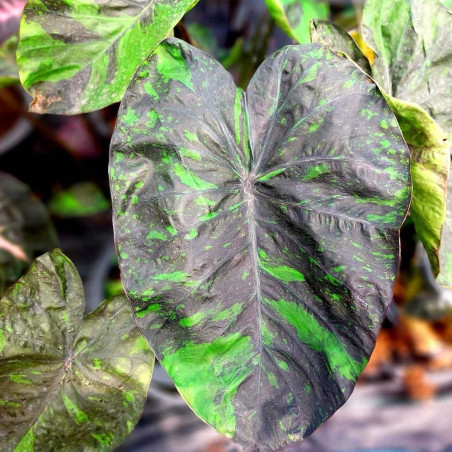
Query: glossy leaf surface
[68, 382]
[25, 229]
[76, 56]
[294, 16]
[258, 232]
[428, 144]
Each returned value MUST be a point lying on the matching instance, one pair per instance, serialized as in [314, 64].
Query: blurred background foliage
[54, 190]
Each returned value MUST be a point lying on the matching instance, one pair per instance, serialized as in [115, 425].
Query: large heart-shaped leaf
[76, 56]
[25, 229]
[258, 232]
[294, 16]
[427, 141]
[68, 382]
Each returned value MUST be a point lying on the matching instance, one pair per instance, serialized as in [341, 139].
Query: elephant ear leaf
[258, 232]
[68, 382]
[76, 56]
[25, 229]
[294, 16]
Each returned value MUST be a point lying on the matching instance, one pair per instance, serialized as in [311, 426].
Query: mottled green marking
[2, 340]
[219, 366]
[208, 216]
[271, 174]
[228, 314]
[190, 179]
[172, 65]
[319, 339]
[27, 443]
[172, 230]
[151, 308]
[192, 234]
[316, 171]
[156, 235]
[76, 413]
[21, 379]
[281, 272]
[190, 136]
[175, 277]
[193, 320]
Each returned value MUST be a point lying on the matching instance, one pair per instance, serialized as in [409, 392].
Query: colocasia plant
[257, 231]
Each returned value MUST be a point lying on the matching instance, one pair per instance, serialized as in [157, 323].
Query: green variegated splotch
[427, 141]
[76, 56]
[257, 231]
[294, 16]
[25, 229]
[68, 382]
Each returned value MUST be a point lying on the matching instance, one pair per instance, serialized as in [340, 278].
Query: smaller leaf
[76, 56]
[294, 16]
[426, 139]
[25, 229]
[68, 382]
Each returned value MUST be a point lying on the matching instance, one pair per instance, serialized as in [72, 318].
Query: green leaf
[8, 67]
[413, 43]
[68, 382]
[294, 16]
[76, 56]
[25, 229]
[257, 232]
[427, 141]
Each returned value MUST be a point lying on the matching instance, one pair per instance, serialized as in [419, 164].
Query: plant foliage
[257, 231]
[76, 56]
[428, 142]
[294, 16]
[68, 382]
[25, 229]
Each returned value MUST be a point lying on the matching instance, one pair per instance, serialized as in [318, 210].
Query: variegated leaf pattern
[76, 56]
[257, 232]
[294, 16]
[25, 229]
[68, 382]
[427, 141]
